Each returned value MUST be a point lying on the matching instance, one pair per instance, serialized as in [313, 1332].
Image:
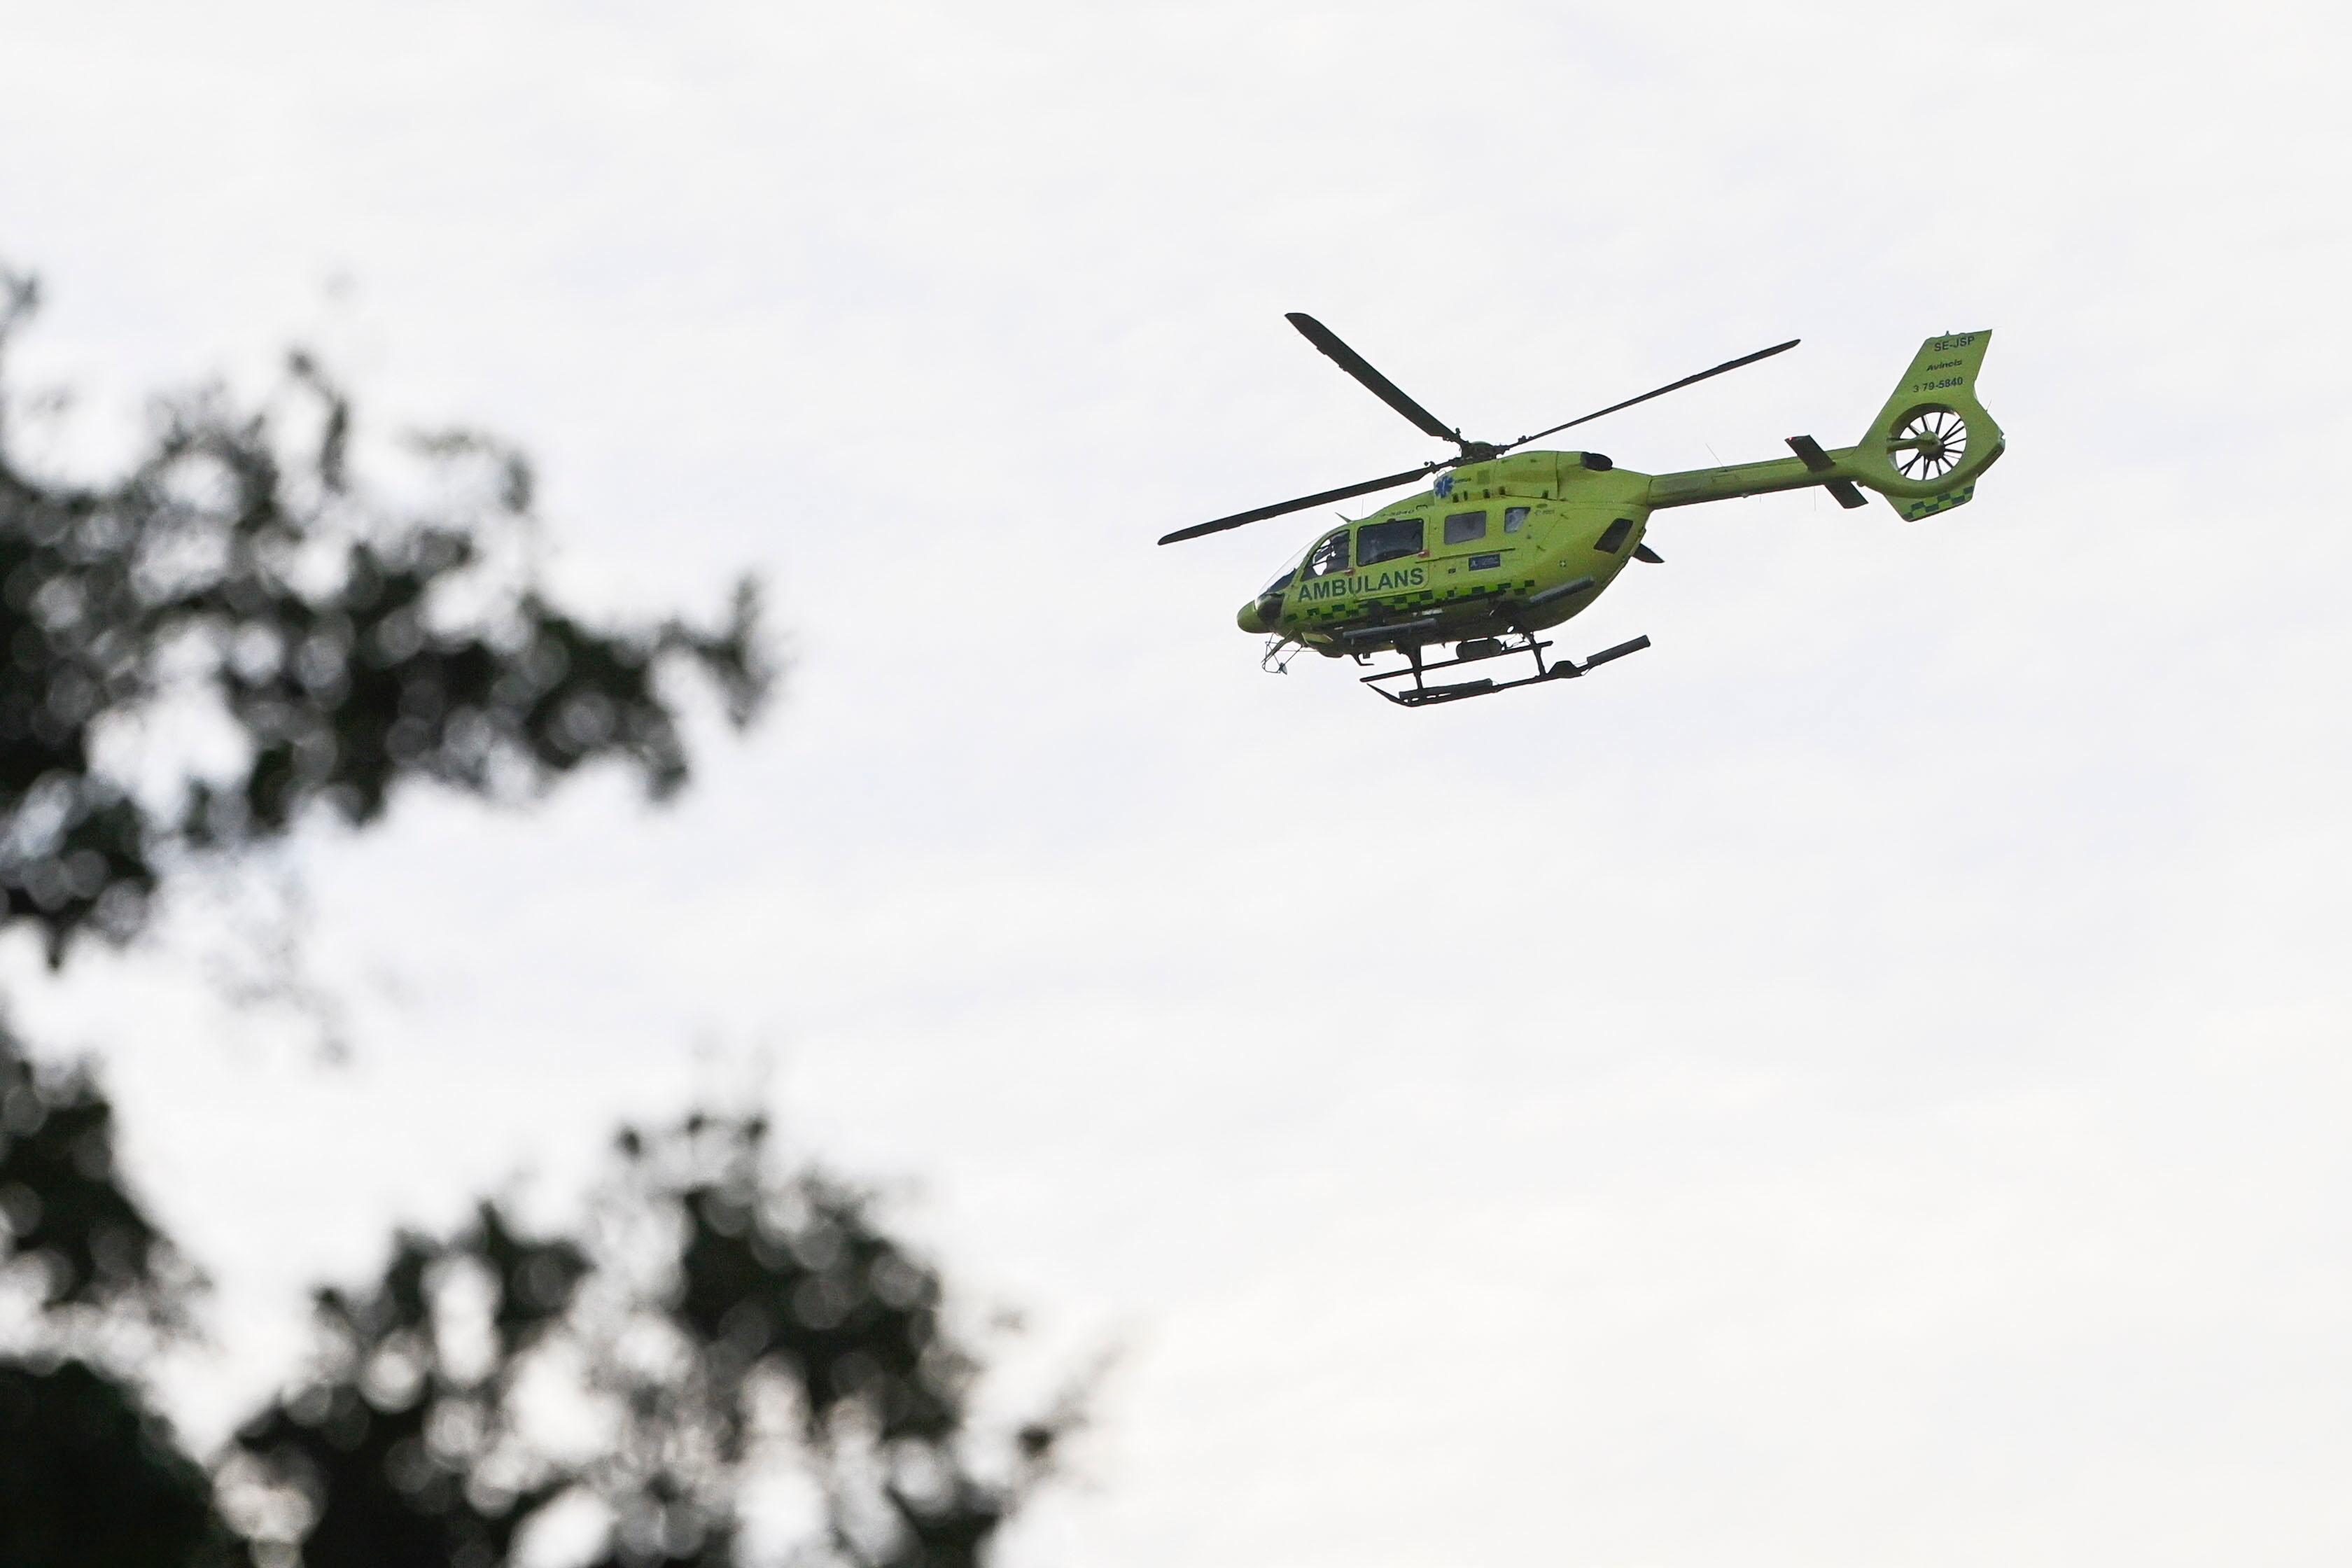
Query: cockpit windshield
[1328, 555]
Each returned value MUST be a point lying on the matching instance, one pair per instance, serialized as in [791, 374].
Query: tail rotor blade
[1301, 504]
[1660, 392]
[1381, 388]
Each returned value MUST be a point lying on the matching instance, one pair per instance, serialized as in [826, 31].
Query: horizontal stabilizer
[1809, 452]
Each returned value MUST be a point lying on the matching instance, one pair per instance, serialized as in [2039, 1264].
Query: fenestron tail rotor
[1470, 451]
[1929, 444]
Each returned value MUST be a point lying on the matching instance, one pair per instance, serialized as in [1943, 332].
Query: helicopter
[1506, 543]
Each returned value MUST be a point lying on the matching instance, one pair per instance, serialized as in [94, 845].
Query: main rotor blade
[1355, 364]
[1660, 392]
[1301, 504]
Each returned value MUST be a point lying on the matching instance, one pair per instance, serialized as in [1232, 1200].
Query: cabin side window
[1465, 527]
[1612, 538]
[1515, 517]
[1330, 556]
[1390, 540]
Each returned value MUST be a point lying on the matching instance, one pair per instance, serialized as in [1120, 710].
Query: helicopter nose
[1249, 620]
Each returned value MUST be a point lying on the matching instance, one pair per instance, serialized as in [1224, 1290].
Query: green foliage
[348, 642]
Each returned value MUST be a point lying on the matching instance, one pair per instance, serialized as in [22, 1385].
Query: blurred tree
[348, 643]
[71, 1237]
[89, 1477]
[718, 1324]
[715, 1323]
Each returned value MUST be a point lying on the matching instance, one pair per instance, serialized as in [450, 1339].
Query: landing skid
[1477, 649]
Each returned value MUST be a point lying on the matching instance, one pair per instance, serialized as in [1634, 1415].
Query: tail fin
[1933, 439]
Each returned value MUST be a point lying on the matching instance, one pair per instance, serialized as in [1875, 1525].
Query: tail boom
[1923, 452]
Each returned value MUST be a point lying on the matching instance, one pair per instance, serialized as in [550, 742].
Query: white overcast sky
[1866, 1081]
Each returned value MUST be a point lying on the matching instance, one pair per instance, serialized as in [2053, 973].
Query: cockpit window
[1378, 542]
[1330, 556]
[1281, 581]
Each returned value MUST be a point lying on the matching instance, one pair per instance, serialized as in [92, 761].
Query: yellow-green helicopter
[1508, 542]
